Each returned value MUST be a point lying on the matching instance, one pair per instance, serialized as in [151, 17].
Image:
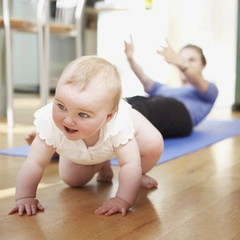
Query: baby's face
[80, 114]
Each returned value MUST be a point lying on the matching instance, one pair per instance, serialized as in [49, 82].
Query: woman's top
[198, 104]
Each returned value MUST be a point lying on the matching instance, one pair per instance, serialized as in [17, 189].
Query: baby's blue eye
[61, 106]
[83, 115]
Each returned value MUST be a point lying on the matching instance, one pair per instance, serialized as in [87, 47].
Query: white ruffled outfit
[119, 130]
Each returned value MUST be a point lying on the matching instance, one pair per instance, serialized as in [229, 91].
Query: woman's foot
[106, 173]
[30, 137]
[148, 182]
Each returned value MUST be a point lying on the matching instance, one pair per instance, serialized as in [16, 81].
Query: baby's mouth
[69, 130]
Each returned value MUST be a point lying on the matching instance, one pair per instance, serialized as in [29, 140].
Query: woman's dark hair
[198, 49]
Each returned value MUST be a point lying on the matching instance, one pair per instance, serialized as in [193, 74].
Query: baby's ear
[110, 116]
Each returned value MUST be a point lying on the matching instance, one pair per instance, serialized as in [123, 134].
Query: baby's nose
[69, 120]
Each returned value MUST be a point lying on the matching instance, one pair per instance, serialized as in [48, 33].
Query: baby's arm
[29, 177]
[129, 180]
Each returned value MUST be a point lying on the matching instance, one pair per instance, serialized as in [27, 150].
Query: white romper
[119, 130]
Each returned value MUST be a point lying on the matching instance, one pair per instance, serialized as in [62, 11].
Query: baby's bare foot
[30, 137]
[105, 174]
[148, 182]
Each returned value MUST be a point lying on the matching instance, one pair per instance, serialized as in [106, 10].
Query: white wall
[212, 24]
[115, 26]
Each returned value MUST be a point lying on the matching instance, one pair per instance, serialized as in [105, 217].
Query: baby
[87, 124]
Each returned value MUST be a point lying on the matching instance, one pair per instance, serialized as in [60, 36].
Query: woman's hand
[129, 48]
[169, 55]
[113, 205]
[28, 205]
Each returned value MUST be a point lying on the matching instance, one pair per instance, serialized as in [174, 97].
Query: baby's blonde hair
[93, 69]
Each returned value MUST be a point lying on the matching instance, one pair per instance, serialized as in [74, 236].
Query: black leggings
[168, 115]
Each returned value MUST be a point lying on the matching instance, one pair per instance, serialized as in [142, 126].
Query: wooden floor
[198, 197]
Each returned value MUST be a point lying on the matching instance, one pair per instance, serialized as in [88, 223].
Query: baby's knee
[151, 154]
[157, 148]
[157, 145]
[72, 181]
[153, 146]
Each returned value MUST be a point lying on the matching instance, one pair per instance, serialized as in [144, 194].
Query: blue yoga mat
[205, 134]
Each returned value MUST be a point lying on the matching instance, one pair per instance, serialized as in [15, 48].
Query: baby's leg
[77, 175]
[105, 174]
[150, 144]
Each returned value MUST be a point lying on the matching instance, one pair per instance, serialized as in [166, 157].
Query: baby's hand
[28, 205]
[113, 205]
